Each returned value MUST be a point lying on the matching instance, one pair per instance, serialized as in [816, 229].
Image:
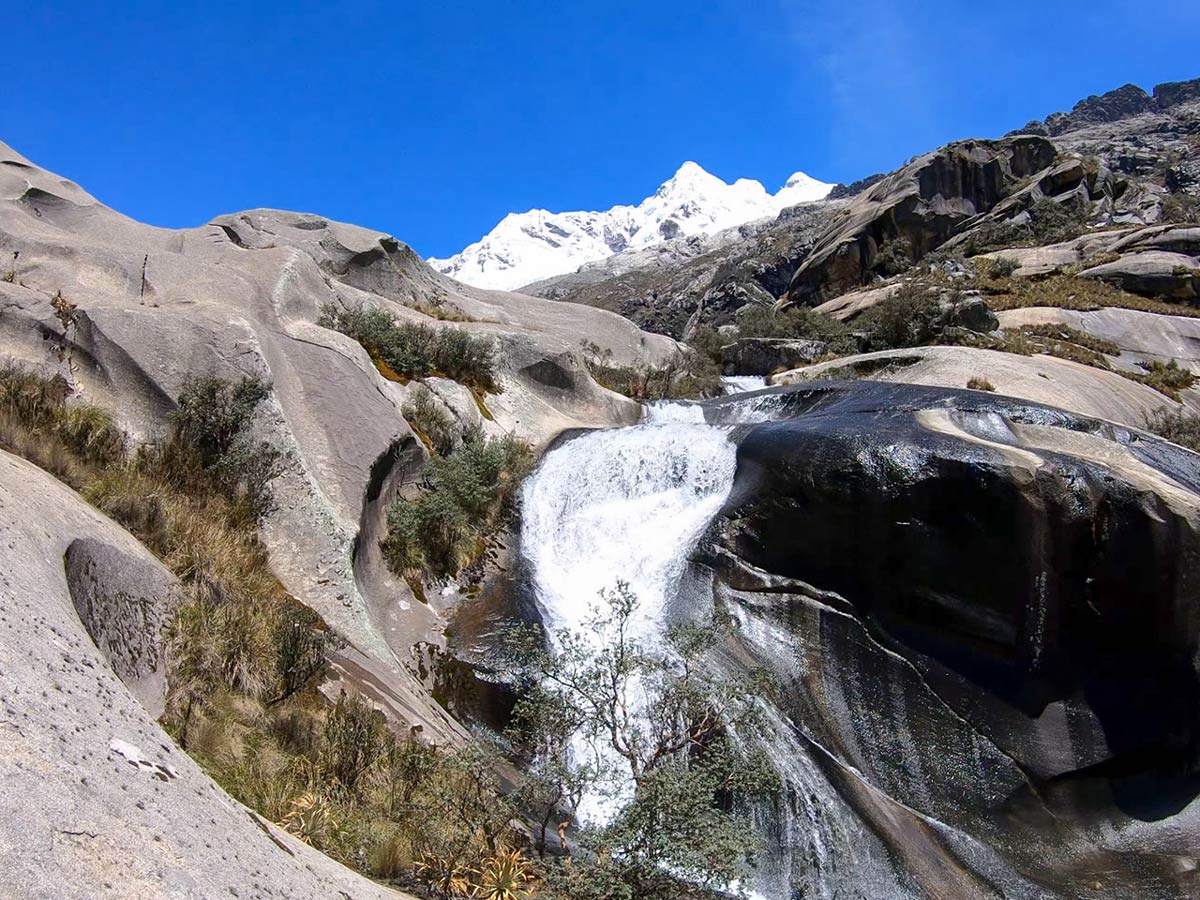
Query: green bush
[1003, 266]
[895, 257]
[409, 350]
[797, 323]
[678, 751]
[354, 738]
[911, 317]
[1167, 378]
[1177, 427]
[466, 498]
[686, 376]
[429, 419]
[210, 439]
[1051, 222]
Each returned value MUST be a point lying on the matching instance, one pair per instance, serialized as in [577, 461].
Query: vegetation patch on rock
[407, 350]
[465, 499]
[686, 376]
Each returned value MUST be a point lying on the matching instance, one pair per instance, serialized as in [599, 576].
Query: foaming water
[741, 384]
[627, 503]
[632, 504]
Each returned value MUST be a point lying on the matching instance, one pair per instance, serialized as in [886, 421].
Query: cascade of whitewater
[626, 503]
[741, 384]
[631, 504]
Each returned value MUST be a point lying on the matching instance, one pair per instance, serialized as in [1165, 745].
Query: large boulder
[762, 356]
[1157, 273]
[982, 617]
[1141, 337]
[1040, 379]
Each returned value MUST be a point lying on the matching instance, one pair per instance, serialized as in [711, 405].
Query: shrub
[798, 323]
[1181, 208]
[408, 350]
[303, 644]
[895, 257]
[504, 875]
[1167, 378]
[979, 383]
[467, 498]
[354, 738]
[1177, 427]
[677, 750]
[210, 439]
[1051, 222]
[1003, 266]
[429, 420]
[687, 375]
[910, 317]
[311, 819]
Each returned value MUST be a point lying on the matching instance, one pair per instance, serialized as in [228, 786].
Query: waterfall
[740, 384]
[626, 503]
[632, 503]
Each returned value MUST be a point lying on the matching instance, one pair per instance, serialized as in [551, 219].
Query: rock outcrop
[1039, 379]
[99, 802]
[1154, 261]
[916, 210]
[762, 356]
[1112, 106]
[982, 614]
[125, 312]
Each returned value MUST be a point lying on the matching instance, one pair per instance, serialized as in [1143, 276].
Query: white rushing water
[740, 384]
[623, 504]
[631, 504]
[626, 503]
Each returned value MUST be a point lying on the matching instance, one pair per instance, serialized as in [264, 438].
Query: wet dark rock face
[984, 614]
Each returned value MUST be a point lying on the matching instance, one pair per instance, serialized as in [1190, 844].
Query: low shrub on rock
[1177, 427]
[686, 376]
[466, 498]
[407, 350]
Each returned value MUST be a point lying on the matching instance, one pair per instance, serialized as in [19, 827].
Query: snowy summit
[527, 247]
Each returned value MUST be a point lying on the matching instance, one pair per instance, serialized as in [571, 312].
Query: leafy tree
[661, 720]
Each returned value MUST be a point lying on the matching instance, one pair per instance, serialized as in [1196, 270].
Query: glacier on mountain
[530, 246]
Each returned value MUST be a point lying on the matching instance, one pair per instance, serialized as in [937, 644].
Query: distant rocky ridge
[1112, 106]
[1143, 149]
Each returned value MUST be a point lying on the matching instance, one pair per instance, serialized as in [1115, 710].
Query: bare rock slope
[98, 801]
[126, 312]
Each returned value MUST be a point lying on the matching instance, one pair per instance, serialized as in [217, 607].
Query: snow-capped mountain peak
[529, 246]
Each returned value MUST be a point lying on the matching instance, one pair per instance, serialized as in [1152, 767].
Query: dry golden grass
[1071, 292]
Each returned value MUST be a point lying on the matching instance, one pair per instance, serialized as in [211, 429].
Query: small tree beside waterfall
[652, 729]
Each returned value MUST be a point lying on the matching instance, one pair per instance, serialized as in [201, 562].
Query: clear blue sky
[432, 120]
